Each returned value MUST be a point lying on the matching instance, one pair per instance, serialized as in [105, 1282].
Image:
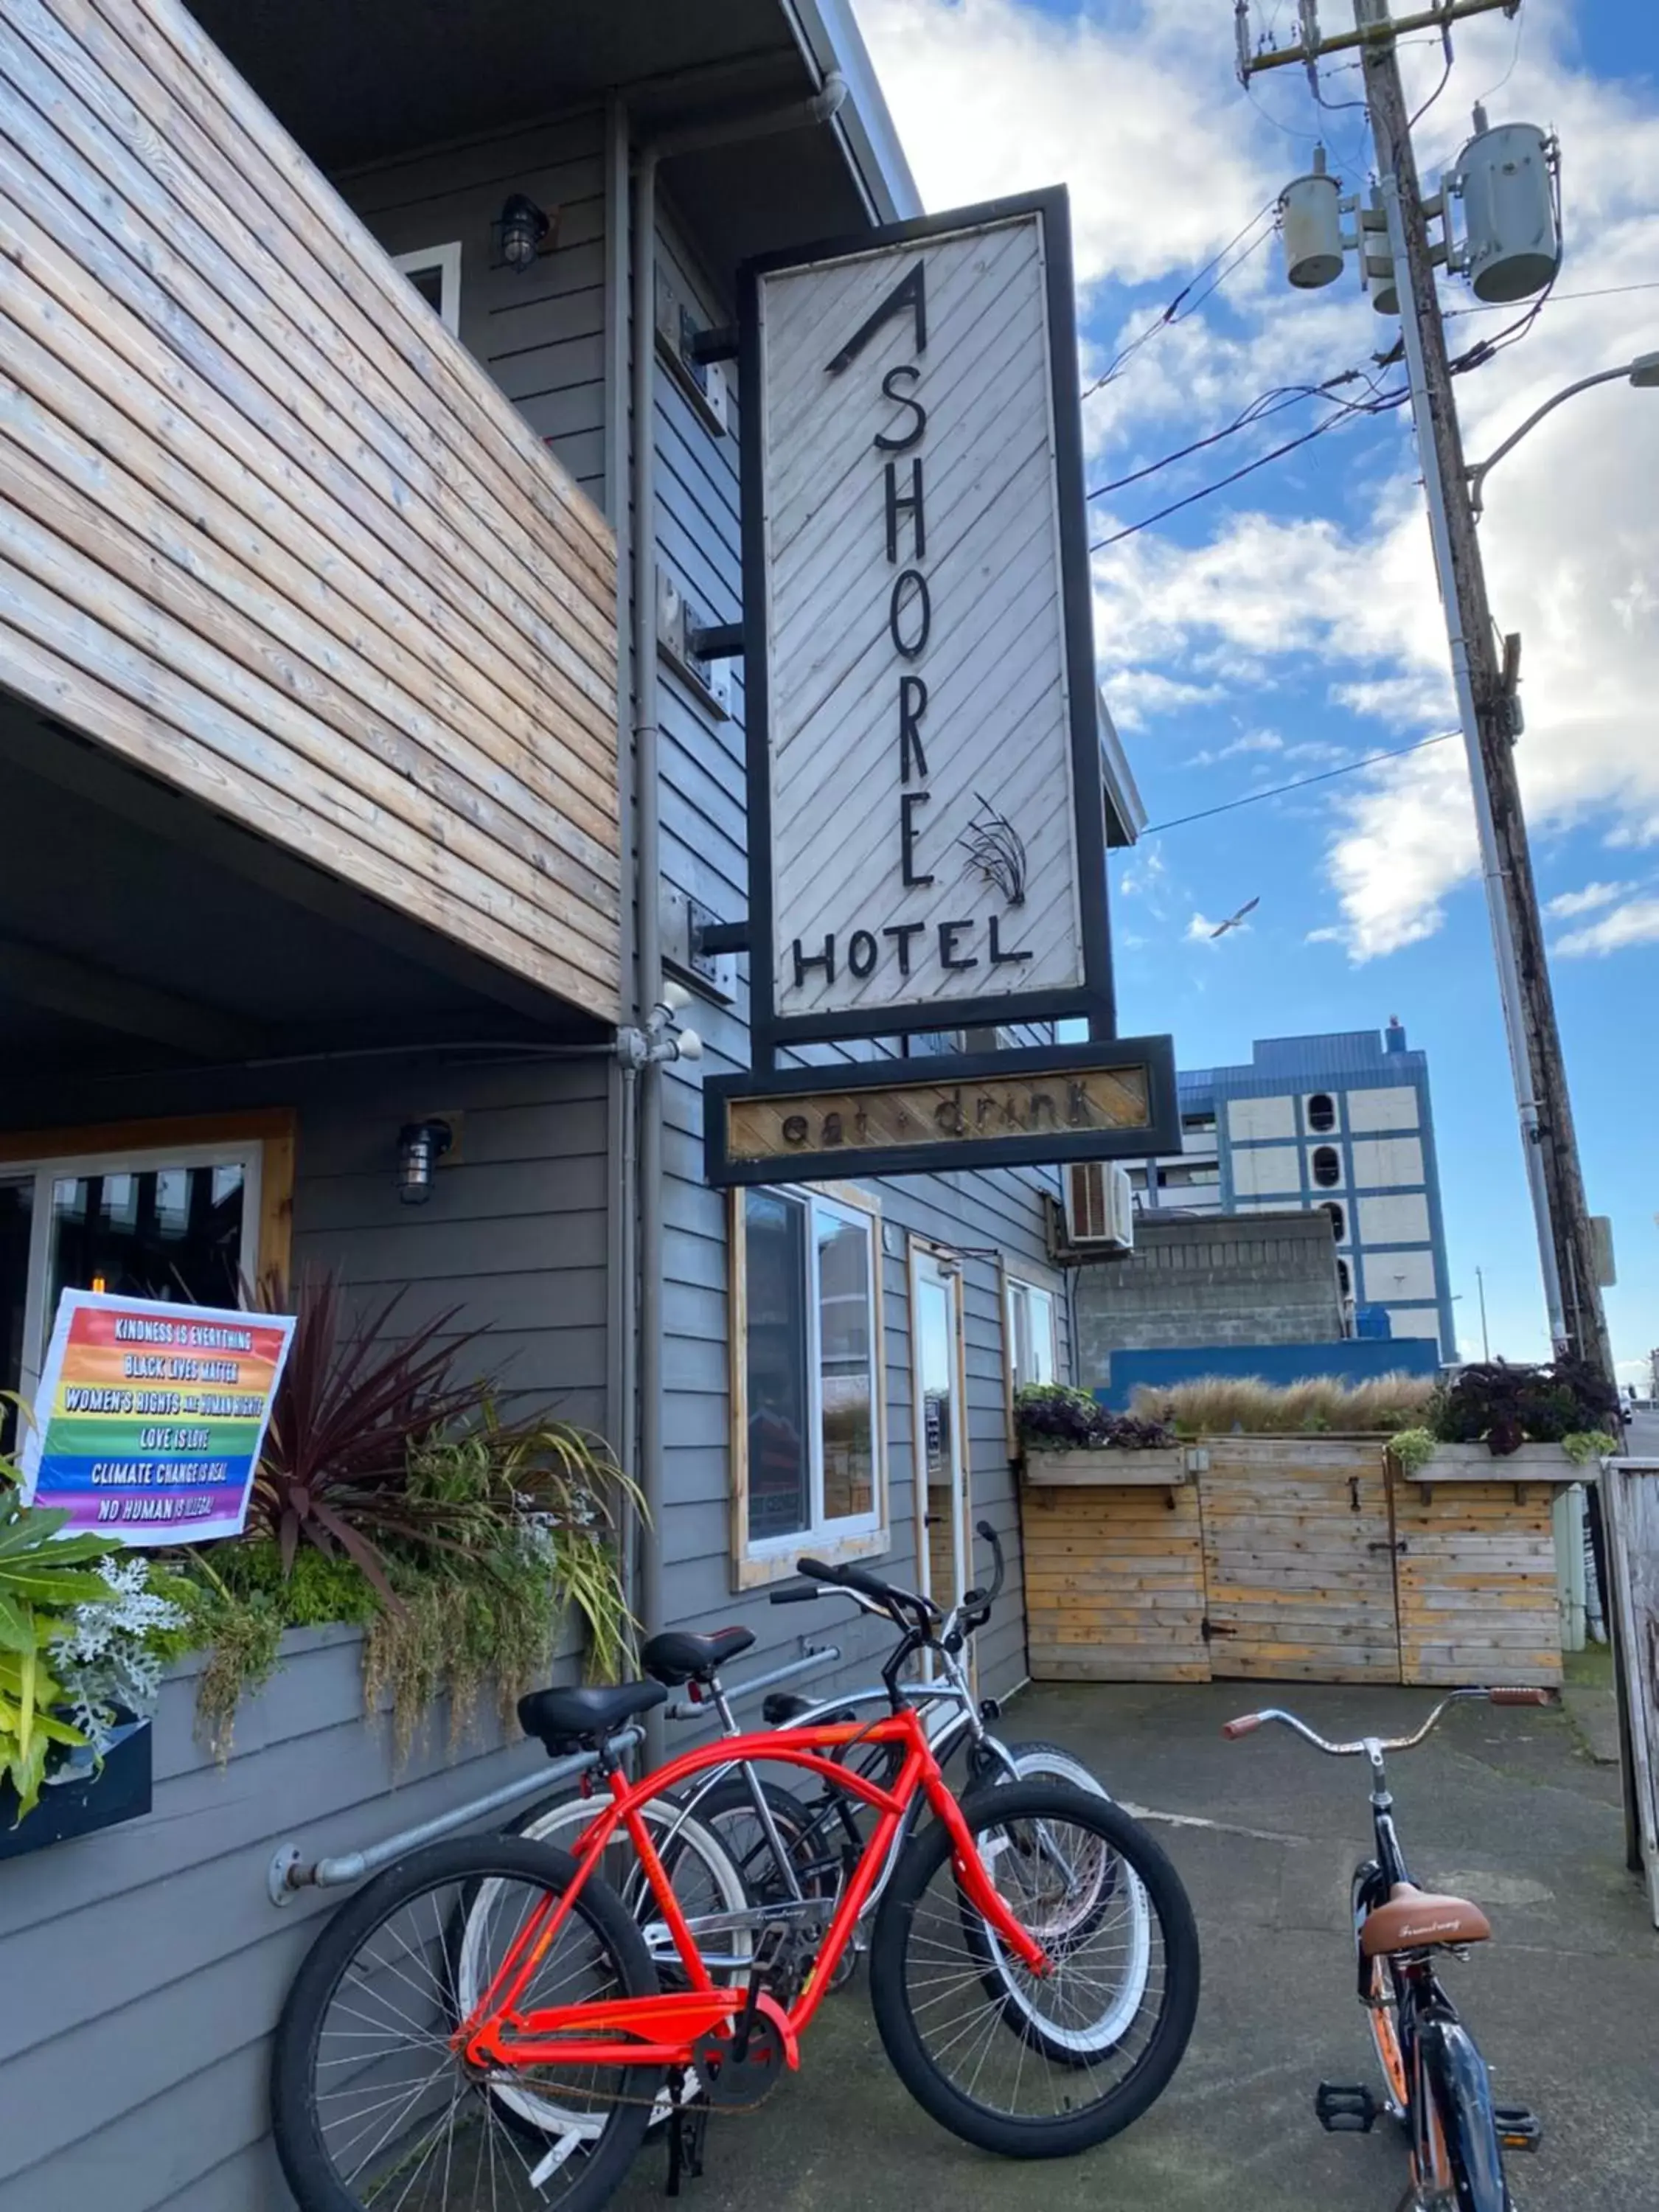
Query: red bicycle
[1033, 1972]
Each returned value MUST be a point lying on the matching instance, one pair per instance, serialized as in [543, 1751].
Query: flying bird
[1235, 920]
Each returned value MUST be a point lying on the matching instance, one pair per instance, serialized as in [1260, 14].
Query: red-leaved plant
[353, 1398]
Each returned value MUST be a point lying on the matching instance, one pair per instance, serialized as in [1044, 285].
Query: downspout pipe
[730, 130]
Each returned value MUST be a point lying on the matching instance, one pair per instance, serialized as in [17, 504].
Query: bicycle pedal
[1517, 2128]
[1345, 2111]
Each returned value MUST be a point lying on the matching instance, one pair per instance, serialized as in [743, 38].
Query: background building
[1340, 1122]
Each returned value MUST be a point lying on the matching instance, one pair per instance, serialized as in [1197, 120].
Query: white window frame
[246, 1153]
[446, 260]
[757, 1562]
[1015, 1285]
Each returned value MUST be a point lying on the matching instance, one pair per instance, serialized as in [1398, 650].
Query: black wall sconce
[524, 231]
[421, 1145]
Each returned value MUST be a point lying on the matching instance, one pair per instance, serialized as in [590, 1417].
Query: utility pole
[1485, 686]
[1484, 681]
[1480, 1286]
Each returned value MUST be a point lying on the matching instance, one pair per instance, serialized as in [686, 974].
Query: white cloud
[1567, 903]
[1637, 923]
[1136, 108]
[1253, 741]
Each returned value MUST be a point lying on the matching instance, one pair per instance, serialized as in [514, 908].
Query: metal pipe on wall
[647, 818]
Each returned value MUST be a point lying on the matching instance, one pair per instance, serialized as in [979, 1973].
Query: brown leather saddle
[1414, 1918]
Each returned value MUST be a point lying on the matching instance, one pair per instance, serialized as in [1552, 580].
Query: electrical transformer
[1512, 237]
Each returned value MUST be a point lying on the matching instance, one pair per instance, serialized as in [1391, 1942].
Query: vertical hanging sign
[925, 803]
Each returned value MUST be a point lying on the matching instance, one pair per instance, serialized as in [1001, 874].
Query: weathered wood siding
[1114, 1583]
[1476, 1583]
[154, 1963]
[1298, 1574]
[265, 529]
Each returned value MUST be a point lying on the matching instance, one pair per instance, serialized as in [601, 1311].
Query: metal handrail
[289, 1872]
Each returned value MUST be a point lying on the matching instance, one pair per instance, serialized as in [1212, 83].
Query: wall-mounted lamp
[523, 229]
[421, 1145]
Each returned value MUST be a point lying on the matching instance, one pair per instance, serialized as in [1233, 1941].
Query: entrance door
[1298, 1564]
[941, 1448]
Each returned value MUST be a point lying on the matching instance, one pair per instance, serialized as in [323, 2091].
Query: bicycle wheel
[1381, 2010]
[372, 2109]
[944, 2023]
[706, 1883]
[1461, 2087]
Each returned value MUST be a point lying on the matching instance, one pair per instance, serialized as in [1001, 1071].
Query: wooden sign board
[1041, 1106]
[926, 831]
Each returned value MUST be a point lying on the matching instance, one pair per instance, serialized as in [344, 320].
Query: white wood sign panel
[920, 739]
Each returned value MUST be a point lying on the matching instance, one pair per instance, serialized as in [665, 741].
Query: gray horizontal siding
[143, 2072]
[540, 335]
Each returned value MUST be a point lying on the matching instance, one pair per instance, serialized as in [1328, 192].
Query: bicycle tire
[1381, 2013]
[1037, 1761]
[1457, 2080]
[915, 1966]
[590, 2173]
[684, 1844]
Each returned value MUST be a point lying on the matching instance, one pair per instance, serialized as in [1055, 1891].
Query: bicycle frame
[661, 2031]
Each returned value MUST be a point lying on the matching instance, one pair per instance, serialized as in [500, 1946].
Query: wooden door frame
[949, 1262]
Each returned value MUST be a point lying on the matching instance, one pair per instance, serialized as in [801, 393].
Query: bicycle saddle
[677, 1655]
[565, 1720]
[1412, 1918]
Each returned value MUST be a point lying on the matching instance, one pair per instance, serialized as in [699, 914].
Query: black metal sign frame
[956, 1073]
[1092, 1000]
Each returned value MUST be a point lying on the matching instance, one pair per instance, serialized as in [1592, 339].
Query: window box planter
[1114, 1468]
[1474, 1463]
[85, 1799]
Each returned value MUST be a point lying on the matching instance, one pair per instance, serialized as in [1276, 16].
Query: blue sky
[1289, 623]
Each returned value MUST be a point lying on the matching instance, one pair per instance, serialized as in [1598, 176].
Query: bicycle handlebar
[1245, 1723]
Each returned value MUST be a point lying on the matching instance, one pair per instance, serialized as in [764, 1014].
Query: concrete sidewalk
[1501, 1805]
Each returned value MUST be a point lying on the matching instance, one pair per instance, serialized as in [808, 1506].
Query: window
[1339, 1219]
[435, 273]
[1030, 1338]
[808, 1442]
[1326, 1166]
[186, 1211]
[1321, 1112]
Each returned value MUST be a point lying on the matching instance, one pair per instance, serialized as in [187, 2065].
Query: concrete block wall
[1253, 1278]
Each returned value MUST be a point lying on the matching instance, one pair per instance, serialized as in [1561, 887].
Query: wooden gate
[1299, 1562]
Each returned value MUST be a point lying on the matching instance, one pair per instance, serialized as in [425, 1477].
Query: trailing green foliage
[1414, 1448]
[1583, 1445]
[528, 1511]
[74, 1639]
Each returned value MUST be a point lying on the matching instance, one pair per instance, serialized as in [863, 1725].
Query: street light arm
[1479, 471]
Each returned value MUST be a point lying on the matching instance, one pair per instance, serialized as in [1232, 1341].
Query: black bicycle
[1435, 2081]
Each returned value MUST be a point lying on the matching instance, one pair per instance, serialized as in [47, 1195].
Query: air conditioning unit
[1099, 1210]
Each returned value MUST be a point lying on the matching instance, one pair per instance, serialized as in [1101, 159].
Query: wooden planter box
[154, 1962]
[1293, 1559]
[1118, 1469]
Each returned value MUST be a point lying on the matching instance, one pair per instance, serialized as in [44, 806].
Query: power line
[1172, 312]
[1277, 790]
[1554, 298]
[1340, 414]
[1258, 411]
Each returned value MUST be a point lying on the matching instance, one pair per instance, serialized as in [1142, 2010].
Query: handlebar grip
[809, 1595]
[1242, 1725]
[1518, 1695]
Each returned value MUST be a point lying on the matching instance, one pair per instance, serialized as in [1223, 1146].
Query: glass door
[16, 1214]
[940, 1442]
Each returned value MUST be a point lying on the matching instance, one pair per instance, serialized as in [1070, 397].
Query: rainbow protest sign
[149, 1417]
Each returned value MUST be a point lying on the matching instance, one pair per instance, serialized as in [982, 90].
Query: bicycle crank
[739, 2074]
